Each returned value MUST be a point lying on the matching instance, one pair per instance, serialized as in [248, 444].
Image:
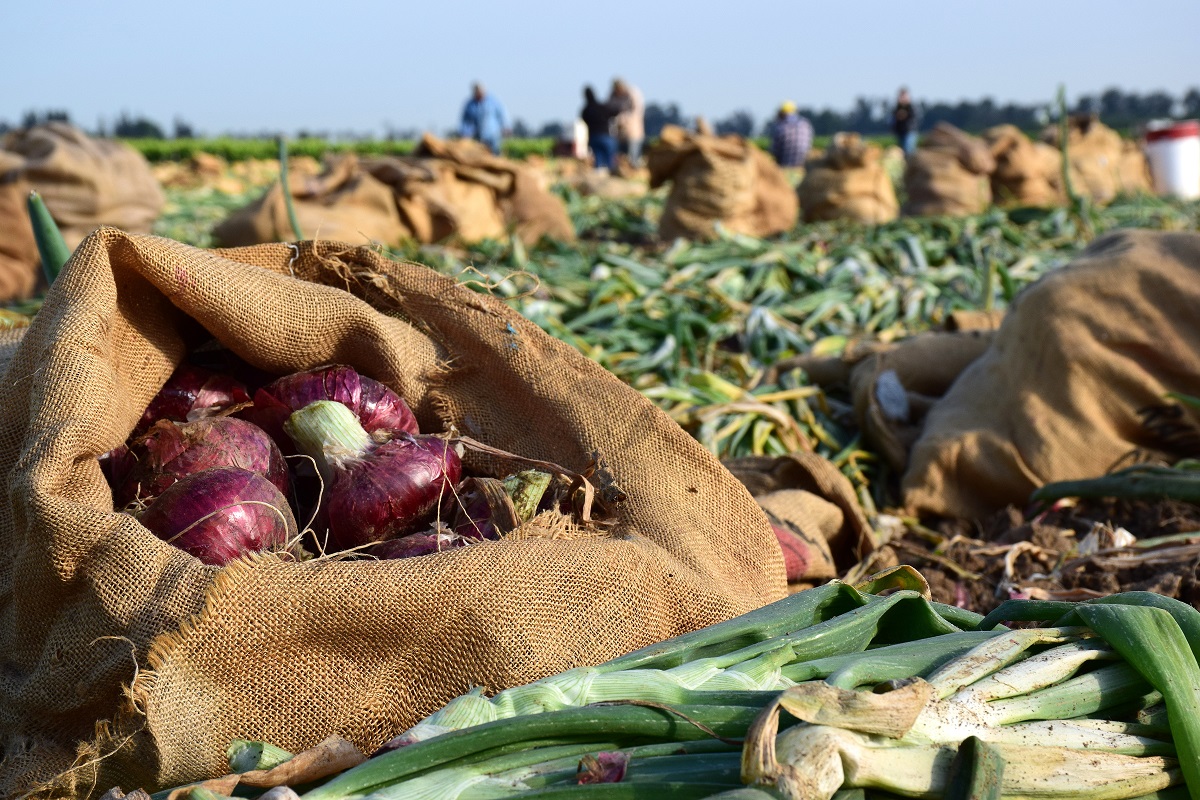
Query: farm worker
[484, 119]
[904, 122]
[631, 119]
[599, 119]
[791, 136]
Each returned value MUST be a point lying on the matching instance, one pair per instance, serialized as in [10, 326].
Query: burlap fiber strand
[88, 182]
[1064, 389]
[103, 621]
[848, 182]
[724, 180]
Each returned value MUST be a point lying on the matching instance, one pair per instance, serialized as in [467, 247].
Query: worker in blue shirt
[484, 119]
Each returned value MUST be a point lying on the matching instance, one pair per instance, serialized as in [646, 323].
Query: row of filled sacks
[446, 189]
[956, 174]
[85, 183]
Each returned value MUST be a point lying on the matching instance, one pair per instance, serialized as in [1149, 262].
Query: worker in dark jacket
[904, 123]
[599, 120]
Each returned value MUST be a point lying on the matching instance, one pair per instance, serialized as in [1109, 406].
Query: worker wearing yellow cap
[791, 136]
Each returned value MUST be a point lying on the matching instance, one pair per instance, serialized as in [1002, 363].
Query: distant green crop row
[243, 149]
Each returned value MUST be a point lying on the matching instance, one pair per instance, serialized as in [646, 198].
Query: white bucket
[1174, 154]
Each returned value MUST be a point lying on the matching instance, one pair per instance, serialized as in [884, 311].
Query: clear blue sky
[360, 65]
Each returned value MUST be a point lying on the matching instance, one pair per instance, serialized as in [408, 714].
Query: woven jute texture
[1066, 386]
[848, 182]
[1102, 165]
[104, 622]
[88, 182]
[719, 179]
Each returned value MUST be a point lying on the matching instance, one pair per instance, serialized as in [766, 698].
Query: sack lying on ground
[18, 250]
[294, 651]
[812, 507]
[1102, 165]
[948, 175]
[848, 182]
[724, 180]
[1027, 173]
[521, 191]
[87, 182]
[1074, 382]
[344, 203]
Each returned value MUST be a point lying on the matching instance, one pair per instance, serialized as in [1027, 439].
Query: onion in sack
[116, 465]
[192, 393]
[376, 406]
[171, 451]
[417, 544]
[220, 514]
[379, 486]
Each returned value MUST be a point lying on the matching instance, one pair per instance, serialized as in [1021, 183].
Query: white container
[1174, 154]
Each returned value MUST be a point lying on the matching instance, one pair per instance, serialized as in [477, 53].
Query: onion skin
[221, 514]
[391, 492]
[417, 544]
[192, 393]
[377, 407]
[171, 451]
[116, 465]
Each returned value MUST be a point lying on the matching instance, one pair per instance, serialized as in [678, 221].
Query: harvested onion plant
[834, 690]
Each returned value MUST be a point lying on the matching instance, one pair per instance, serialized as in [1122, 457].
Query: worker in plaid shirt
[791, 136]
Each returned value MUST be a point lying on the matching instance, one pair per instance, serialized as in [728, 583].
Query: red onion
[172, 450]
[376, 406]
[376, 488]
[220, 514]
[485, 508]
[192, 393]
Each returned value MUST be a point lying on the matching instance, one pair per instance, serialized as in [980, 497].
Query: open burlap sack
[1061, 392]
[344, 203]
[719, 179]
[1133, 169]
[292, 652]
[948, 175]
[1027, 173]
[813, 510]
[523, 196]
[435, 204]
[88, 182]
[848, 182]
[18, 250]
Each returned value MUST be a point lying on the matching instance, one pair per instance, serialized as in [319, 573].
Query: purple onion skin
[472, 517]
[376, 406]
[390, 492]
[116, 465]
[416, 544]
[172, 451]
[223, 512]
[192, 393]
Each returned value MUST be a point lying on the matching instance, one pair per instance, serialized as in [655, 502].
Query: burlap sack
[18, 250]
[848, 182]
[435, 204]
[1060, 393]
[88, 182]
[818, 521]
[344, 203]
[524, 198]
[948, 175]
[1102, 164]
[1027, 173]
[719, 179]
[292, 652]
